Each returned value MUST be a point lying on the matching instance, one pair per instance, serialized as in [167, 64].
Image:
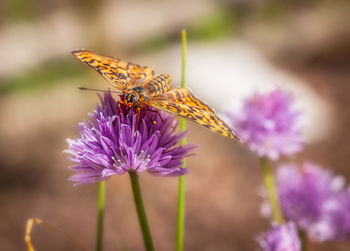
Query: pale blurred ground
[234, 49]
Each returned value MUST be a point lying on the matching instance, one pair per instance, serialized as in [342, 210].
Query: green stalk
[271, 190]
[100, 214]
[180, 226]
[184, 53]
[141, 213]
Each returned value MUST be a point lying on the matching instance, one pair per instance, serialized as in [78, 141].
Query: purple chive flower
[280, 238]
[315, 200]
[109, 144]
[335, 221]
[269, 124]
[303, 192]
[337, 215]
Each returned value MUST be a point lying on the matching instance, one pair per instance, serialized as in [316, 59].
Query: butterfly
[139, 85]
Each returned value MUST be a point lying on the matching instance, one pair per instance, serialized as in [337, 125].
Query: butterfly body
[140, 86]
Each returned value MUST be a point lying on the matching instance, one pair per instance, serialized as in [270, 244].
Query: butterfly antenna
[80, 87]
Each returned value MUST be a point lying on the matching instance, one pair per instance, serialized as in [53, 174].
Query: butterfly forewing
[183, 103]
[118, 73]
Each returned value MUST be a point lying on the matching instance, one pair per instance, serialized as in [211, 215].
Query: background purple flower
[335, 221]
[340, 215]
[109, 145]
[303, 192]
[315, 200]
[280, 238]
[269, 124]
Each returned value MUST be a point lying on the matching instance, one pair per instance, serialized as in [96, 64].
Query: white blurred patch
[25, 45]
[338, 183]
[129, 22]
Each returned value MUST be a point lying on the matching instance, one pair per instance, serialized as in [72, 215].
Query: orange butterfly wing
[183, 103]
[118, 73]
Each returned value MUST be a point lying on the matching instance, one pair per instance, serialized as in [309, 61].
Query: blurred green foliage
[216, 25]
[20, 10]
[219, 24]
[42, 76]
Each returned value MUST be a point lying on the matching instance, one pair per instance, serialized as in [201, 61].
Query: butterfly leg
[118, 107]
[119, 103]
[138, 119]
[124, 103]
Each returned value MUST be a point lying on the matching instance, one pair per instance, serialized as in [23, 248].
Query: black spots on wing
[110, 77]
[135, 65]
[121, 76]
[98, 69]
[189, 111]
[213, 117]
[173, 108]
[199, 117]
[210, 127]
[190, 116]
[80, 51]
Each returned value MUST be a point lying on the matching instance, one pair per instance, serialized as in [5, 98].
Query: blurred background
[234, 48]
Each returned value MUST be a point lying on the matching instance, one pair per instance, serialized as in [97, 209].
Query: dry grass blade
[29, 227]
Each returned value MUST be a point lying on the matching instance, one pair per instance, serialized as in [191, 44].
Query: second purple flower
[269, 124]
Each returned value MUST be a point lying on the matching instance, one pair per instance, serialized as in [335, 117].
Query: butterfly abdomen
[158, 85]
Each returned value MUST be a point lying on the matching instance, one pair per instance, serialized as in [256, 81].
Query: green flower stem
[271, 190]
[180, 226]
[100, 214]
[141, 213]
[303, 239]
[184, 53]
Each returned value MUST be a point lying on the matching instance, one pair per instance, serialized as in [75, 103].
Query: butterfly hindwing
[118, 73]
[183, 103]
